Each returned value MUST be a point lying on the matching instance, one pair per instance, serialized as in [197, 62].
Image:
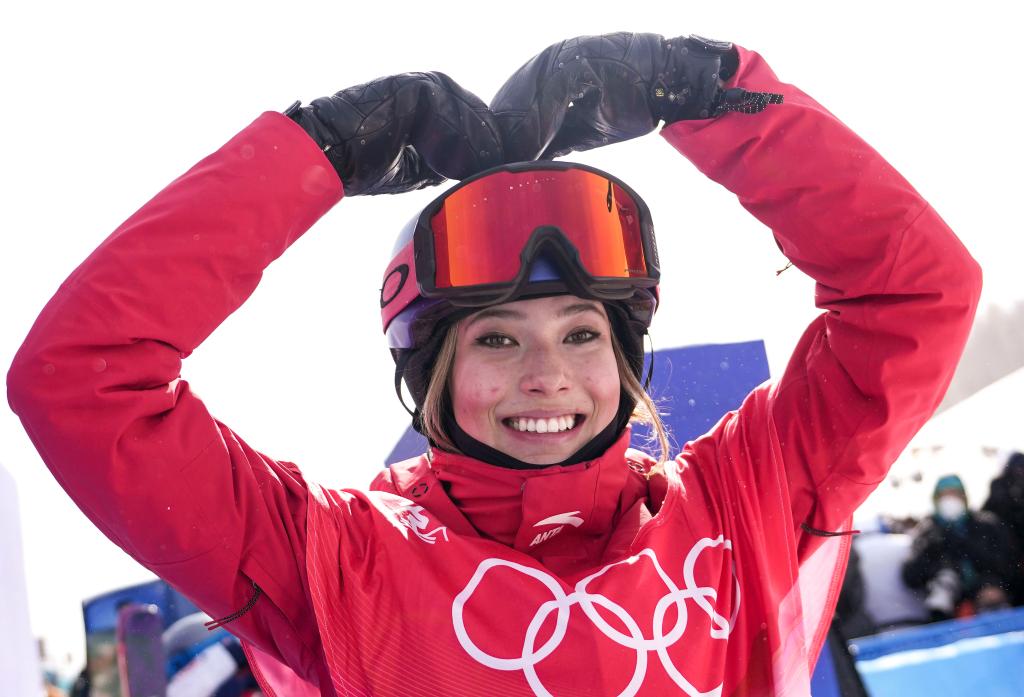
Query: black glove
[402, 132]
[596, 90]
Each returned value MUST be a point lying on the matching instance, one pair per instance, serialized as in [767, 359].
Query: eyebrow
[577, 308]
[503, 313]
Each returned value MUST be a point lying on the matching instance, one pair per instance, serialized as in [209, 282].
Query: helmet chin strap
[650, 368]
[400, 362]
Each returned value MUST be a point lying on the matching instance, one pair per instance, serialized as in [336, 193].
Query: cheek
[475, 390]
[601, 377]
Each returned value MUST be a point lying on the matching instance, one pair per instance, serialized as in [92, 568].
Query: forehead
[540, 309]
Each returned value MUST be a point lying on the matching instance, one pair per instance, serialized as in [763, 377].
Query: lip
[544, 414]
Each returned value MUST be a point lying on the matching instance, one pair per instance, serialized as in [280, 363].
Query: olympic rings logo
[702, 597]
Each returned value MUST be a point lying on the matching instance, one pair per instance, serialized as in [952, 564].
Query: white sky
[103, 103]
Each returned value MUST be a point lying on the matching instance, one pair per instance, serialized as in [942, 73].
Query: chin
[542, 460]
[540, 456]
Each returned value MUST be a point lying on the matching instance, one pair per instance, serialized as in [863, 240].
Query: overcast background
[103, 103]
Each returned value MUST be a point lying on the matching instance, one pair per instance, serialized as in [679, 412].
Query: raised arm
[98, 383]
[898, 289]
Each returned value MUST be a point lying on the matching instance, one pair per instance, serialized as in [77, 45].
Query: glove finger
[407, 173]
[579, 94]
[372, 122]
[409, 131]
[531, 106]
[610, 107]
[455, 132]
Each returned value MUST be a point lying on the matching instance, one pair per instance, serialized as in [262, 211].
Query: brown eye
[495, 341]
[581, 336]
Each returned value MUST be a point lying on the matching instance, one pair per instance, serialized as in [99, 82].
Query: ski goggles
[475, 245]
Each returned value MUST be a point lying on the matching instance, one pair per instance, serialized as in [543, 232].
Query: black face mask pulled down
[594, 448]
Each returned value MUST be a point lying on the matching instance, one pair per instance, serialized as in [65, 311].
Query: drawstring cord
[827, 533]
[217, 624]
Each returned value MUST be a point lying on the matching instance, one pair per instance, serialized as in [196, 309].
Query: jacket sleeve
[97, 384]
[898, 291]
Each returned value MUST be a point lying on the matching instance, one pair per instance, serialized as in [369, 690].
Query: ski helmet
[517, 231]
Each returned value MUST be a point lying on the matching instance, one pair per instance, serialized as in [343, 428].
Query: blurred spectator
[52, 682]
[894, 525]
[888, 601]
[80, 688]
[959, 558]
[851, 618]
[1006, 500]
[203, 663]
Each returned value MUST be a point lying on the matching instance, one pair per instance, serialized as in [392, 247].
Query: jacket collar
[563, 516]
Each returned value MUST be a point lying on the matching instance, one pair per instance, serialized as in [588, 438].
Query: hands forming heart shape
[413, 130]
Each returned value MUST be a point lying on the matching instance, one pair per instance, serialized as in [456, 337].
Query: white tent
[971, 439]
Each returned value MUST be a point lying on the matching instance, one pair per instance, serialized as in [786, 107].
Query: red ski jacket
[454, 577]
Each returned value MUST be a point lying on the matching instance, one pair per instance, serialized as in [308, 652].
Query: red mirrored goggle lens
[482, 227]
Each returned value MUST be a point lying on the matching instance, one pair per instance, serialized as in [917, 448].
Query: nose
[545, 372]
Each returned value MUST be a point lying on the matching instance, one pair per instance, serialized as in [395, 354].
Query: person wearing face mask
[1006, 502]
[530, 550]
[962, 560]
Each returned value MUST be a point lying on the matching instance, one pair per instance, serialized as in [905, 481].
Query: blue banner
[980, 656]
[100, 613]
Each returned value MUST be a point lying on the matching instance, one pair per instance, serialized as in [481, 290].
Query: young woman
[529, 552]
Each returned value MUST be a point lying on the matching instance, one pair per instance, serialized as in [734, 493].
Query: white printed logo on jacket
[561, 520]
[658, 642]
[415, 518]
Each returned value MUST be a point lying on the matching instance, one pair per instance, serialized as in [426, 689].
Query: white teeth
[550, 425]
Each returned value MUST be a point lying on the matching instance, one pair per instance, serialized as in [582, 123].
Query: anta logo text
[561, 520]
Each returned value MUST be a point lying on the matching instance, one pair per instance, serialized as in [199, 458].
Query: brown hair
[645, 411]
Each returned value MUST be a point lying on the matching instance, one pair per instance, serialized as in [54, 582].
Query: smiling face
[535, 379]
